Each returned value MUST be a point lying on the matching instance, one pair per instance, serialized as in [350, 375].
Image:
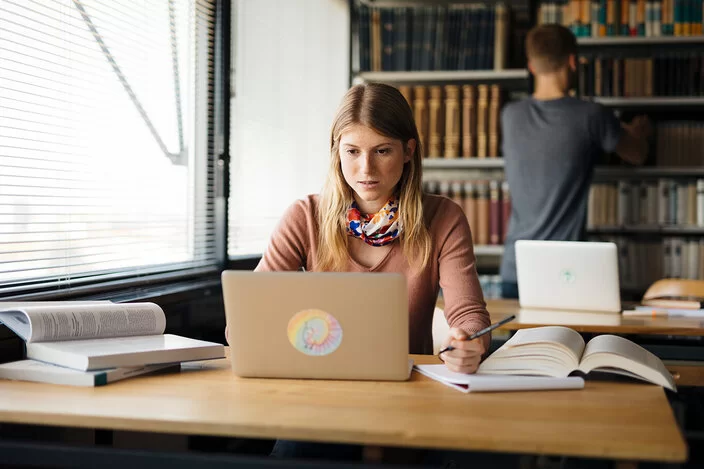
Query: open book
[559, 351]
[97, 335]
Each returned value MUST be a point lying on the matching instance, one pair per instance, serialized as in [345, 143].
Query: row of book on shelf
[456, 121]
[93, 343]
[458, 37]
[660, 74]
[487, 205]
[643, 261]
[657, 202]
[642, 18]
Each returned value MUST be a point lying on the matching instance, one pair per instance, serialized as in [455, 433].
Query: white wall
[291, 71]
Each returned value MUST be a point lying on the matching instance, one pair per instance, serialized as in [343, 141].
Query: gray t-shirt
[550, 148]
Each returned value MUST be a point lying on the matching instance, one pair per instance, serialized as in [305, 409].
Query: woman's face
[372, 165]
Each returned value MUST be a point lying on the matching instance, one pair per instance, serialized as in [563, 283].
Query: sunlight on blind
[98, 127]
[291, 64]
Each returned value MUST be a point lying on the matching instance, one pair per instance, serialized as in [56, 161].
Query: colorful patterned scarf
[379, 229]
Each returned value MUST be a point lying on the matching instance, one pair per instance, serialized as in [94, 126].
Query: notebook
[487, 383]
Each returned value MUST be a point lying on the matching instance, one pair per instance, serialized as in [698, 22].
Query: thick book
[40, 372]
[97, 335]
[491, 383]
[560, 352]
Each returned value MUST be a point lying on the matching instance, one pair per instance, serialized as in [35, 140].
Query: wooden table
[592, 322]
[623, 421]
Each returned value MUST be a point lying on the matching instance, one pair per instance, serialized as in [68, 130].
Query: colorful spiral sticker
[314, 332]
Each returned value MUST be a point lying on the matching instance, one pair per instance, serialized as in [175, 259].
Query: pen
[481, 332]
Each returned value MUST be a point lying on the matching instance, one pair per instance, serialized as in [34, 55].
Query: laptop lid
[568, 275]
[317, 325]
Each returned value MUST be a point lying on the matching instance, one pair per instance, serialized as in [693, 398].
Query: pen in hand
[480, 333]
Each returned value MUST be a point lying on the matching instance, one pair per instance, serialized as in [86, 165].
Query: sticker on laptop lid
[314, 332]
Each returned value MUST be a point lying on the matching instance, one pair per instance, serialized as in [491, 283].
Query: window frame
[163, 281]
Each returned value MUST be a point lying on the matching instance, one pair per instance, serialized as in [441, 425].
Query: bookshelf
[641, 172]
[652, 102]
[452, 173]
[441, 76]
[653, 229]
[463, 163]
[639, 41]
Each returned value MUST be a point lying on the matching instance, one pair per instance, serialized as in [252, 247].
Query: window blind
[106, 143]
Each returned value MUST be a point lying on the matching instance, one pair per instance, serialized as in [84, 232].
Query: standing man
[551, 142]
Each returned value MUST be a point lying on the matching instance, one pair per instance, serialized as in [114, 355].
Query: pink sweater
[294, 244]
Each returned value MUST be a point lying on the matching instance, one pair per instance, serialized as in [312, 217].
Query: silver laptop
[568, 275]
[317, 325]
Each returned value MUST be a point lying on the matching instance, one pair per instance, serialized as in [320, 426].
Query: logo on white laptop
[567, 276]
[314, 332]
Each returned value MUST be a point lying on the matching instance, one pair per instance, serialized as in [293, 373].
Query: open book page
[56, 321]
[618, 355]
[547, 351]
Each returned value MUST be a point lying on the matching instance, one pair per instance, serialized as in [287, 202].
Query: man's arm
[633, 143]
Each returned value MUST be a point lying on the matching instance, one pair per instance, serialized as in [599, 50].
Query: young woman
[372, 216]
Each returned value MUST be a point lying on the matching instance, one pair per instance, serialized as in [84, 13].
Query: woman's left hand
[467, 354]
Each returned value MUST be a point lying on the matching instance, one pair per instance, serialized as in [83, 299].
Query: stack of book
[457, 122]
[95, 343]
[638, 18]
[487, 205]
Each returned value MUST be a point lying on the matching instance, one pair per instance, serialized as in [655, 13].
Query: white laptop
[568, 275]
[317, 325]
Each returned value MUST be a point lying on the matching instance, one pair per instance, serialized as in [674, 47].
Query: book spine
[405, 90]
[691, 203]
[469, 123]
[664, 202]
[482, 121]
[470, 207]
[700, 202]
[594, 17]
[633, 18]
[494, 127]
[494, 213]
[376, 40]
[452, 121]
[500, 37]
[482, 213]
[505, 210]
[420, 113]
[435, 120]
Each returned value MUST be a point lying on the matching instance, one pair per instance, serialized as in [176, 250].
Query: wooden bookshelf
[637, 41]
[647, 229]
[640, 172]
[659, 101]
[513, 81]
[489, 250]
[448, 76]
[463, 163]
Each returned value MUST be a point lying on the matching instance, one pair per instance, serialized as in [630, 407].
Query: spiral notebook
[492, 383]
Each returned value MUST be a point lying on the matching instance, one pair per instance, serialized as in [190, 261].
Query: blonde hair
[383, 109]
